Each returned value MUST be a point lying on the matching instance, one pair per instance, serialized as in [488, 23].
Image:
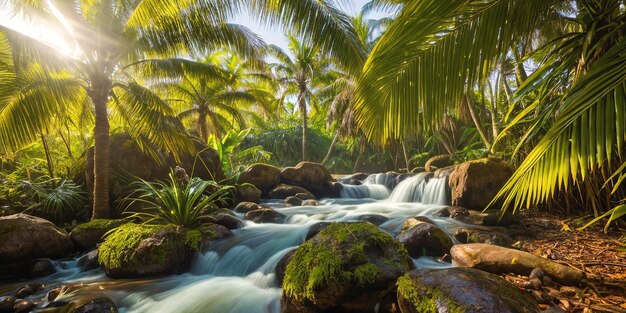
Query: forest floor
[601, 256]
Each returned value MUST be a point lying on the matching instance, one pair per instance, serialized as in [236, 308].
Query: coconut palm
[110, 35]
[422, 67]
[298, 76]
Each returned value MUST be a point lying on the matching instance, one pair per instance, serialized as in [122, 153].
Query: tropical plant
[178, 201]
[107, 36]
[573, 105]
[234, 159]
[56, 199]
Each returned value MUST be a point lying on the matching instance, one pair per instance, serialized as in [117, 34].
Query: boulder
[460, 290]
[305, 196]
[41, 268]
[265, 216]
[495, 259]
[373, 218]
[311, 176]
[347, 267]
[316, 228]
[29, 290]
[226, 220]
[477, 235]
[86, 236]
[7, 303]
[262, 176]
[444, 172]
[24, 237]
[281, 266]
[23, 306]
[310, 202]
[454, 212]
[97, 305]
[475, 183]
[283, 191]
[293, 201]
[136, 250]
[422, 238]
[89, 261]
[437, 162]
[248, 193]
[499, 218]
[245, 207]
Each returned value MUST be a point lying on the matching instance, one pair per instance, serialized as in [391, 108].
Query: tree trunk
[481, 132]
[358, 159]
[302, 104]
[331, 149]
[406, 157]
[204, 132]
[46, 150]
[101, 207]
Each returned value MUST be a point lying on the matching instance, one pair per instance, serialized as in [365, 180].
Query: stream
[236, 274]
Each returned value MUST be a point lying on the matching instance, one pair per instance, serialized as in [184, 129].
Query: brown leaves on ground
[601, 256]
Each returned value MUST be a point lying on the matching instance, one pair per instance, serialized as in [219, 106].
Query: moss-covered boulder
[481, 235]
[475, 183]
[135, 250]
[313, 177]
[346, 267]
[247, 193]
[421, 237]
[262, 176]
[24, 237]
[86, 236]
[460, 290]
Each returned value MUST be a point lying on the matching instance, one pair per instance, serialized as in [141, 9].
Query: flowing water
[236, 274]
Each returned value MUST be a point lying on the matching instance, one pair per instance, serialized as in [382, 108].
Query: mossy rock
[136, 250]
[87, 235]
[460, 290]
[421, 237]
[346, 267]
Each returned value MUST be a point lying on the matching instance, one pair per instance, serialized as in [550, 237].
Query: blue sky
[274, 35]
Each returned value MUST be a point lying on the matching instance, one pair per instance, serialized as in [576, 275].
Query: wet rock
[310, 202]
[347, 267]
[89, 261]
[424, 239]
[499, 218]
[281, 266]
[283, 191]
[437, 162]
[293, 201]
[265, 216]
[213, 232]
[56, 292]
[145, 250]
[316, 228]
[23, 306]
[444, 172]
[313, 177]
[305, 196]
[248, 193]
[495, 259]
[418, 170]
[474, 235]
[24, 237]
[373, 218]
[262, 176]
[7, 303]
[454, 212]
[475, 183]
[41, 268]
[86, 236]
[354, 179]
[29, 290]
[460, 290]
[245, 207]
[227, 220]
[98, 305]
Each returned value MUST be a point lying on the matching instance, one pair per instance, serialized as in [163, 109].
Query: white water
[236, 275]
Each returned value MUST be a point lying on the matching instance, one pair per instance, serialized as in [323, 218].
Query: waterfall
[367, 190]
[421, 188]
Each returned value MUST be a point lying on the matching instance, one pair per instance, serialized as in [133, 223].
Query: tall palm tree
[422, 66]
[110, 35]
[297, 75]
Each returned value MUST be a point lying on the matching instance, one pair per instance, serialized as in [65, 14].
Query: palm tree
[111, 35]
[422, 67]
[297, 75]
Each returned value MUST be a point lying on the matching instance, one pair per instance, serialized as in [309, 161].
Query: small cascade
[378, 192]
[421, 188]
[384, 179]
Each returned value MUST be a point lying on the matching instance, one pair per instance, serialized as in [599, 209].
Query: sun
[58, 38]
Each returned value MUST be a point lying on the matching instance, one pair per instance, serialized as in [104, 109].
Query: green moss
[423, 298]
[99, 224]
[193, 238]
[120, 244]
[338, 254]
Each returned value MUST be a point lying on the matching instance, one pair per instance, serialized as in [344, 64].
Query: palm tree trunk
[361, 150]
[479, 127]
[331, 149]
[46, 150]
[302, 104]
[204, 132]
[101, 155]
[406, 157]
